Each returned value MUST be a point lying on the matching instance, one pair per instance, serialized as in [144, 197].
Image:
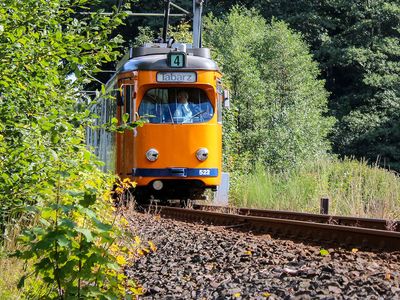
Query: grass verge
[354, 187]
[11, 270]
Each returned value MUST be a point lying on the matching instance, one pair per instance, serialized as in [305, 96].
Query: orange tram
[177, 153]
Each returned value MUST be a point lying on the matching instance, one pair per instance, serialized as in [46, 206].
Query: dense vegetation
[51, 189]
[357, 45]
[278, 102]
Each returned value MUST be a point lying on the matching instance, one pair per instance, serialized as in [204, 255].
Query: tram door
[125, 144]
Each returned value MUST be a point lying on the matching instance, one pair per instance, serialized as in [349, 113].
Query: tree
[233, 42]
[367, 99]
[49, 52]
[47, 56]
[357, 46]
[278, 101]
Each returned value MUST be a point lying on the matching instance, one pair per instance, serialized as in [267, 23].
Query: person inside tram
[184, 110]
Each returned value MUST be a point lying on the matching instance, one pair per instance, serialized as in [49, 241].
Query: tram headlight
[158, 185]
[152, 154]
[202, 154]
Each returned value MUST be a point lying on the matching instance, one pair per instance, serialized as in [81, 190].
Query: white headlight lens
[202, 154]
[152, 154]
[158, 185]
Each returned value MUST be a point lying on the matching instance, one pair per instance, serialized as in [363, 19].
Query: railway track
[380, 224]
[366, 234]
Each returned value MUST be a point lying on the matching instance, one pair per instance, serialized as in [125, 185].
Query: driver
[183, 112]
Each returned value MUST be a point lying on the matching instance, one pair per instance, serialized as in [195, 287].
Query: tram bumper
[175, 172]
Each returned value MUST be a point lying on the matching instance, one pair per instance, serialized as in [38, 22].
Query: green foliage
[145, 35]
[366, 49]
[278, 102]
[353, 187]
[70, 246]
[50, 183]
[180, 33]
[42, 115]
[357, 44]
[324, 252]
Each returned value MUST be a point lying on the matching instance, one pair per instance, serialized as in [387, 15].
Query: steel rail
[380, 224]
[338, 235]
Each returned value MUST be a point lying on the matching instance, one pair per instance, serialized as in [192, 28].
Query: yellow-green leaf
[324, 252]
[121, 260]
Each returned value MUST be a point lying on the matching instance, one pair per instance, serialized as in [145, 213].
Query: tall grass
[11, 269]
[354, 187]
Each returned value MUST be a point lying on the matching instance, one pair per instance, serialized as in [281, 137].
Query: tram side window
[113, 105]
[128, 100]
[176, 105]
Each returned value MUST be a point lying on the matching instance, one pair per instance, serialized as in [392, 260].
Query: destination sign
[176, 77]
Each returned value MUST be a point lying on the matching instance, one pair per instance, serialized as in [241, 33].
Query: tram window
[176, 105]
[128, 101]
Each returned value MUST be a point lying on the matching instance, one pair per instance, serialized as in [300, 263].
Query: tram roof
[155, 59]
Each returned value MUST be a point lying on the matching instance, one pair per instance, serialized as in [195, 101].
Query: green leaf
[324, 252]
[88, 212]
[38, 231]
[102, 226]
[44, 222]
[44, 244]
[87, 46]
[63, 241]
[86, 232]
[55, 138]
[59, 36]
[88, 199]
[75, 193]
[113, 266]
[48, 213]
[67, 223]
[86, 155]
[21, 282]
[125, 117]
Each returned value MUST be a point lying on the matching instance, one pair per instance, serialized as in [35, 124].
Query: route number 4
[177, 60]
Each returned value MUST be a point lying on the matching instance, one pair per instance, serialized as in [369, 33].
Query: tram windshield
[176, 106]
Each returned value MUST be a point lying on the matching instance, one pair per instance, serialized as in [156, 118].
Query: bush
[50, 183]
[279, 104]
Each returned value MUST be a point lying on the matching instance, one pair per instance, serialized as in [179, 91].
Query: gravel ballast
[196, 261]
